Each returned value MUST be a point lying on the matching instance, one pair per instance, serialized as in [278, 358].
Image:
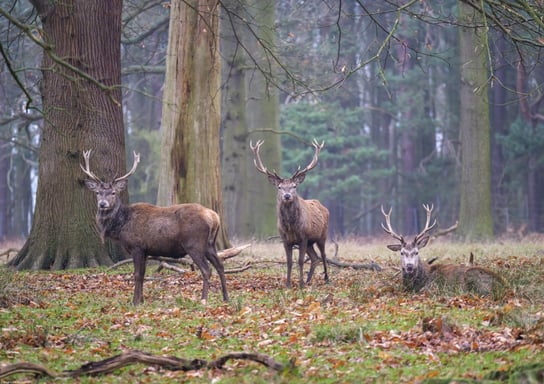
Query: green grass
[359, 328]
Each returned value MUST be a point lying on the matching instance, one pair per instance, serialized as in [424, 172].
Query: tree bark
[190, 161]
[475, 219]
[251, 113]
[83, 37]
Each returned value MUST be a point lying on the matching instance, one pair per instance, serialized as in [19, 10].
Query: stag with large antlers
[301, 223]
[414, 272]
[417, 274]
[147, 230]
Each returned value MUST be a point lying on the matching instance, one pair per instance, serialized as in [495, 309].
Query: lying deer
[417, 274]
[147, 230]
[301, 223]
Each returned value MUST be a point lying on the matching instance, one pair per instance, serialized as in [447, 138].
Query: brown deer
[301, 223]
[148, 230]
[417, 274]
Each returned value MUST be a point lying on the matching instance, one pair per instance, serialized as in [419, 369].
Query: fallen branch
[165, 265]
[224, 255]
[37, 370]
[161, 259]
[373, 266]
[171, 363]
[442, 232]
[231, 252]
[238, 270]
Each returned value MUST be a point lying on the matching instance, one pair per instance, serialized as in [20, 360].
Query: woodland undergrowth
[360, 327]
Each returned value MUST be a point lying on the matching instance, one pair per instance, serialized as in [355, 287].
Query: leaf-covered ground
[359, 328]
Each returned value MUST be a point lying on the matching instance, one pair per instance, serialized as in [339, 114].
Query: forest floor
[361, 327]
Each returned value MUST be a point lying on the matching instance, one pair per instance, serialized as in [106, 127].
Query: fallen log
[373, 266]
[130, 357]
[224, 255]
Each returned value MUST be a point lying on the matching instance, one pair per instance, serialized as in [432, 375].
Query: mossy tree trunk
[78, 114]
[475, 219]
[251, 112]
[190, 161]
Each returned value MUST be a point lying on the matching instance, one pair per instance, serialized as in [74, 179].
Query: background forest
[380, 82]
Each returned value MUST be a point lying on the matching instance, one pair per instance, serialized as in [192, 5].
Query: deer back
[172, 230]
[469, 278]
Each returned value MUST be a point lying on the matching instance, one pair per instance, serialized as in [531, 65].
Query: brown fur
[301, 223]
[467, 278]
[417, 275]
[148, 230]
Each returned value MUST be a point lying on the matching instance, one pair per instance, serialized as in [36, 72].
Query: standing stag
[300, 222]
[417, 274]
[147, 230]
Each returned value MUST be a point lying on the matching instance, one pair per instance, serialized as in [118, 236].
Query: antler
[132, 170]
[388, 229]
[257, 160]
[427, 222]
[87, 169]
[313, 163]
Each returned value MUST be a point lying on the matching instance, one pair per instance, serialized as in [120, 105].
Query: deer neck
[290, 216]
[111, 222]
[415, 281]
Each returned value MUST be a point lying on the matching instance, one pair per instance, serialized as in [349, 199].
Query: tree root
[171, 363]
[9, 251]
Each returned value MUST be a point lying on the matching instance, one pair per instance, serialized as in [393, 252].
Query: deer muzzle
[409, 268]
[103, 205]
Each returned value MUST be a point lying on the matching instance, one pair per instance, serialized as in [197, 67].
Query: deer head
[106, 192]
[409, 251]
[287, 188]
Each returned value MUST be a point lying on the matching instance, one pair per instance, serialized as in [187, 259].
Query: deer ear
[91, 184]
[423, 241]
[395, 247]
[299, 178]
[120, 185]
[274, 179]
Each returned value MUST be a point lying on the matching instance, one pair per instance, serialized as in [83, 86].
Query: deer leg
[138, 257]
[302, 248]
[289, 255]
[313, 263]
[202, 264]
[321, 246]
[218, 265]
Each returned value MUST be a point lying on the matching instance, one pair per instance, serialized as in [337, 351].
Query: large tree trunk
[79, 115]
[475, 219]
[249, 110]
[190, 165]
[5, 151]
[234, 130]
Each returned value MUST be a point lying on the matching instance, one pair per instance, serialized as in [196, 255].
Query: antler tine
[133, 169]
[87, 169]
[313, 163]
[427, 228]
[388, 229]
[257, 160]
